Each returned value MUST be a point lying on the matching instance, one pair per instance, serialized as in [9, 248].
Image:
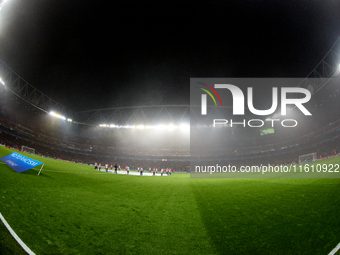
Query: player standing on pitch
[116, 166]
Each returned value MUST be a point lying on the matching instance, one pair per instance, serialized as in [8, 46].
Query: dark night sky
[100, 54]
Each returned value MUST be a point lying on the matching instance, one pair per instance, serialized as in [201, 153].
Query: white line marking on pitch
[16, 237]
[335, 249]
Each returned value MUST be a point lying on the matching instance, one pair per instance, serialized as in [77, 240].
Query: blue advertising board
[19, 162]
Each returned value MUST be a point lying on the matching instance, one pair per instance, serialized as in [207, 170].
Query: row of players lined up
[139, 169]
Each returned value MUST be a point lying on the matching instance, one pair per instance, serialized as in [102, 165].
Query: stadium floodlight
[57, 115]
[69, 120]
[172, 127]
[2, 82]
[119, 126]
[337, 71]
[2, 4]
[160, 127]
[184, 127]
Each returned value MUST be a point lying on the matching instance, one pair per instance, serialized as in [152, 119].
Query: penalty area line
[335, 250]
[16, 237]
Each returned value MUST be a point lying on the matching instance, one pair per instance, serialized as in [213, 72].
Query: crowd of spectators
[324, 145]
[22, 124]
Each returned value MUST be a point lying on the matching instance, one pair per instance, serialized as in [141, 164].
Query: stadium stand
[23, 124]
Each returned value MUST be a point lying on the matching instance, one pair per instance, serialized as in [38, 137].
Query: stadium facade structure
[86, 141]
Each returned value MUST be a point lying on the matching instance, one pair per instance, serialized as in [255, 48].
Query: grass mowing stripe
[105, 213]
[16, 237]
[57, 213]
[270, 216]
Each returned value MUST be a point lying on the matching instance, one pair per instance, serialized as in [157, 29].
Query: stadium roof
[92, 56]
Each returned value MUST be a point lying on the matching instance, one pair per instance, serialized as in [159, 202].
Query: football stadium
[209, 176]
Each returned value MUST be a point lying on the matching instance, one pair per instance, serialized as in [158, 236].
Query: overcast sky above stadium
[101, 54]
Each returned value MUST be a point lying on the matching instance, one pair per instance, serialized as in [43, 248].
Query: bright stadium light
[160, 127]
[2, 4]
[337, 71]
[120, 126]
[184, 127]
[53, 114]
[2, 82]
[69, 120]
[57, 115]
[172, 127]
[2, 17]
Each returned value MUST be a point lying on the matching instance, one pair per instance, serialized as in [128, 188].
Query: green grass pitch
[73, 209]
